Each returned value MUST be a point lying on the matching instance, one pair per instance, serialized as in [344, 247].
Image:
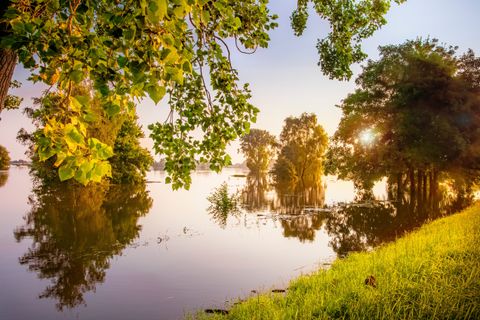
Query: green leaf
[122, 61]
[45, 153]
[175, 74]
[18, 26]
[76, 76]
[129, 34]
[65, 172]
[74, 135]
[112, 109]
[81, 176]
[83, 100]
[105, 152]
[187, 67]
[60, 158]
[162, 8]
[86, 167]
[75, 105]
[157, 10]
[156, 92]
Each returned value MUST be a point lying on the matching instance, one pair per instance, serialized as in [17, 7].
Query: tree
[128, 165]
[303, 144]
[130, 49]
[258, 146]
[130, 161]
[4, 158]
[419, 104]
[12, 101]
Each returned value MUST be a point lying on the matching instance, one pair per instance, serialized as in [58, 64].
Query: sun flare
[367, 137]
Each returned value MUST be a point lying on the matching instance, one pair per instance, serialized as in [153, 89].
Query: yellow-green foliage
[4, 158]
[432, 273]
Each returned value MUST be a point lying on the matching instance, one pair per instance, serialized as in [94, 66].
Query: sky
[285, 79]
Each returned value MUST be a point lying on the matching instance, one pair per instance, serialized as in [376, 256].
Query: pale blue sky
[285, 79]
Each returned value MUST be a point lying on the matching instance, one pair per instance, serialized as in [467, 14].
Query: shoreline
[430, 273]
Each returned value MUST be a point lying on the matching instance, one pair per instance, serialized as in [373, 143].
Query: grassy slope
[433, 272]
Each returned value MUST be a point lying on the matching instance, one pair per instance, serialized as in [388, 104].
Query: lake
[148, 252]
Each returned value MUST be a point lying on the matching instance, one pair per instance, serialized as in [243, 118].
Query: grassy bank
[431, 273]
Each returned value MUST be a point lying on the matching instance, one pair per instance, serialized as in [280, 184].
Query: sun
[367, 137]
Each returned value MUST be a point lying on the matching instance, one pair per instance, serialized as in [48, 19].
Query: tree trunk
[400, 187]
[411, 173]
[434, 190]
[424, 193]
[8, 60]
[419, 185]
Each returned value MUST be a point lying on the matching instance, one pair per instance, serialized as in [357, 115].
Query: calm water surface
[152, 253]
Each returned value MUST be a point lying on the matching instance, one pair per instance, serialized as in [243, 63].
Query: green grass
[432, 273]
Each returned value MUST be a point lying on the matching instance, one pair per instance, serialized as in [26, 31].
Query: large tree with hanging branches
[131, 49]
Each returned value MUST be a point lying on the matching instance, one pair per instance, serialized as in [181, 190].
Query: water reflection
[289, 199]
[354, 226]
[3, 178]
[303, 227]
[76, 232]
[358, 227]
[254, 193]
[298, 200]
[297, 208]
[362, 226]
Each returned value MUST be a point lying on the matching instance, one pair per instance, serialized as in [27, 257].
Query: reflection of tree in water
[254, 194]
[3, 178]
[301, 205]
[358, 227]
[76, 231]
[295, 206]
[293, 199]
[303, 227]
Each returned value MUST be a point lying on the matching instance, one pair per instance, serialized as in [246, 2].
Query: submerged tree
[303, 143]
[414, 116]
[131, 49]
[4, 158]
[258, 147]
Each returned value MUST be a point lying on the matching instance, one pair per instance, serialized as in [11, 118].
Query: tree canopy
[258, 146]
[130, 49]
[129, 163]
[303, 144]
[418, 105]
